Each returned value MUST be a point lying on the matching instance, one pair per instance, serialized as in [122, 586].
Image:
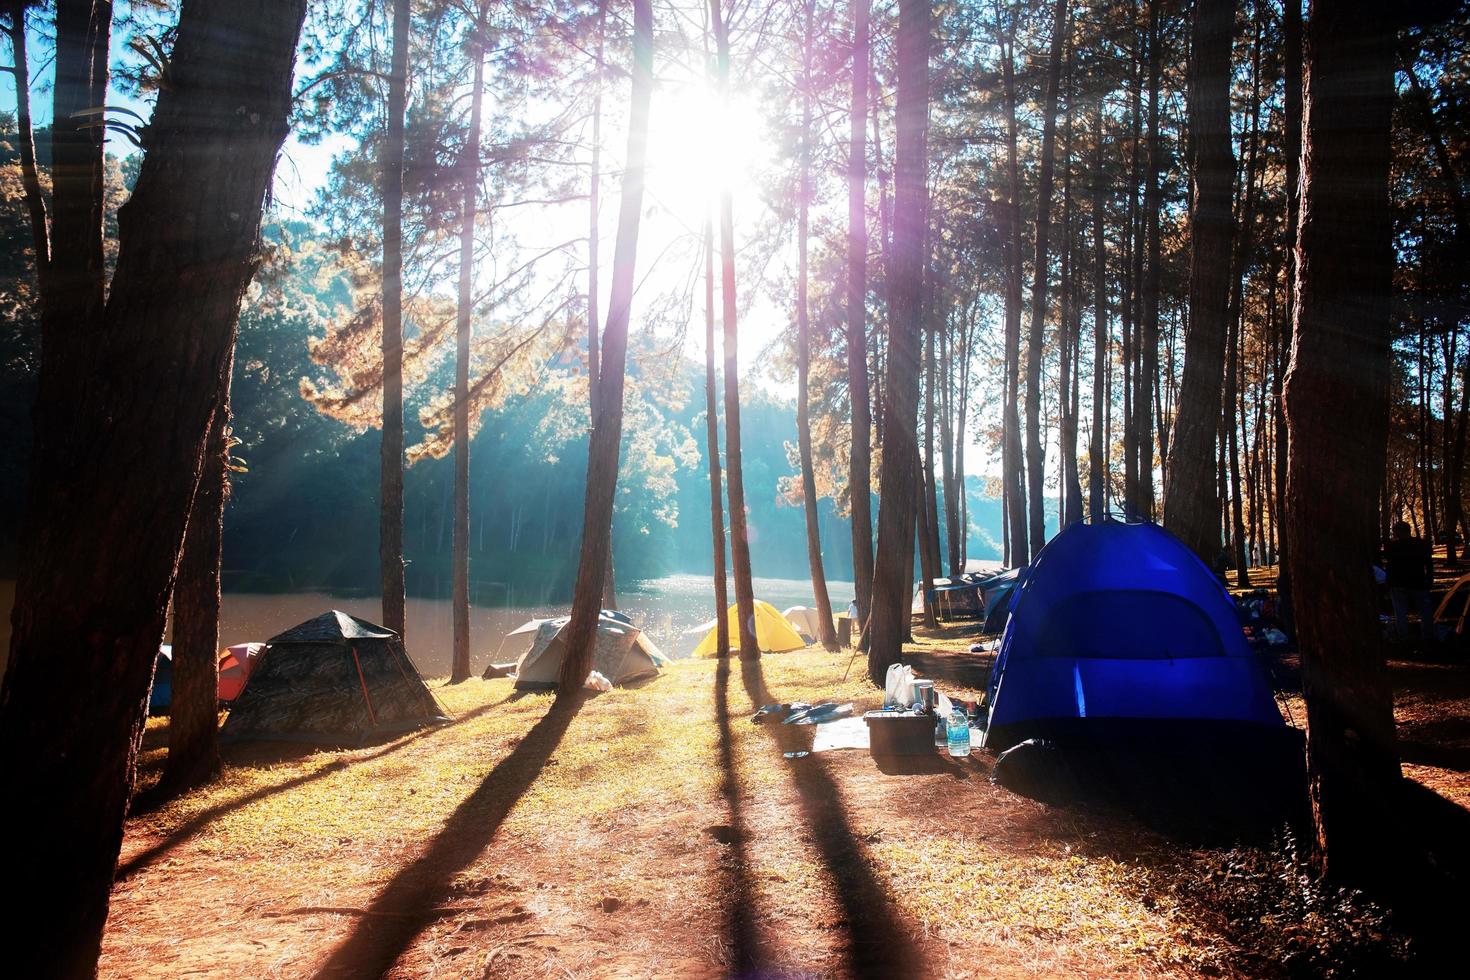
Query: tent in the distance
[622, 653]
[773, 634]
[235, 664]
[1120, 626]
[806, 620]
[335, 680]
[162, 693]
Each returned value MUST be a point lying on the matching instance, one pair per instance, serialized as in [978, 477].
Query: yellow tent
[772, 632]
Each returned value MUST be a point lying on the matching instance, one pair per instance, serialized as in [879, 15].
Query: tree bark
[1192, 503]
[712, 442]
[1291, 56]
[193, 749]
[605, 443]
[734, 470]
[390, 474]
[860, 460]
[98, 557]
[1097, 487]
[896, 511]
[470, 166]
[1337, 404]
[1036, 335]
[826, 633]
[1012, 467]
[1148, 320]
[594, 242]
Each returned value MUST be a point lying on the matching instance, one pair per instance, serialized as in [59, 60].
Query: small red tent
[235, 664]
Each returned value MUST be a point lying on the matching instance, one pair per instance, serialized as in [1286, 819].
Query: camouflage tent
[335, 679]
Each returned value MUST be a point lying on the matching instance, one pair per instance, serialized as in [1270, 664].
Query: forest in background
[306, 483]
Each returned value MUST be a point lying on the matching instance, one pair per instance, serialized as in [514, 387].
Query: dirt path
[647, 832]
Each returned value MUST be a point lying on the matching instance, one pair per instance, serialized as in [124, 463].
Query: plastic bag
[596, 682]
[898, 689]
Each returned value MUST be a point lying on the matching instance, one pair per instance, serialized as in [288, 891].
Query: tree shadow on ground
[411, 900]
[1203, 786]
[968, 670]
[879, 942]
[745, 956]
[257, 755]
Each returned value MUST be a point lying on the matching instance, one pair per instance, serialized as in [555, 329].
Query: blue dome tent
[1121, 623]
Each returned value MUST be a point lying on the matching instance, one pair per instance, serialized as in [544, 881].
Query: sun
[697, 146]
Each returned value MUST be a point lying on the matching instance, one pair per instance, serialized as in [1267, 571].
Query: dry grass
[625, 846]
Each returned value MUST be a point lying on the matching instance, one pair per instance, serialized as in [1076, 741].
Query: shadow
[1197, 785]
[879, 942]
[410, 901]
[745, 955]
[261, 755]
[1428, 896]
[923, 765]
[968, 670]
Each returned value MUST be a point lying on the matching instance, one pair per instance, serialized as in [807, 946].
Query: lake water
[665, 608]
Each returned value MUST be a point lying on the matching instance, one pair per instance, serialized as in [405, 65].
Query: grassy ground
[656, 831]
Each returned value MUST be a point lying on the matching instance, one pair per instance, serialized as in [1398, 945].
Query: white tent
[806, 619]
[622, 653]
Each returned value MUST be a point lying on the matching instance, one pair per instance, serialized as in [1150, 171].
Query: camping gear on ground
[1121, 625]
[621, 652]
[777, 712]
[899, 732]
[596, 682]
[808, 621]
[816, 714]
[844, 733]
[162, 694]
[235, 664]
[898, 686]
[773, 634]
[957, 733]
[334, 680]
[925, 697]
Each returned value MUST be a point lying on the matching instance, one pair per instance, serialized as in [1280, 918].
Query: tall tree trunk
[1097, 491]
[607, 426]
[1036, 334]
[1148, 320]
[470, 174]
[1069, 484]
[98, 557]
[193, 749]
[859, 460]
[594, 248]
[1012, 466]
[1291, 56]
[712, 443]
[1132, 270]
[25, 140]
[826, 634]
[928, 511]
[1337, 404]
[1192, 503]
[735, 472]
[947, 452]
[891, 576]
[390, 478]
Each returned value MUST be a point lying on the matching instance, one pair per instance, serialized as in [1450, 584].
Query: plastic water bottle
[959, 733]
